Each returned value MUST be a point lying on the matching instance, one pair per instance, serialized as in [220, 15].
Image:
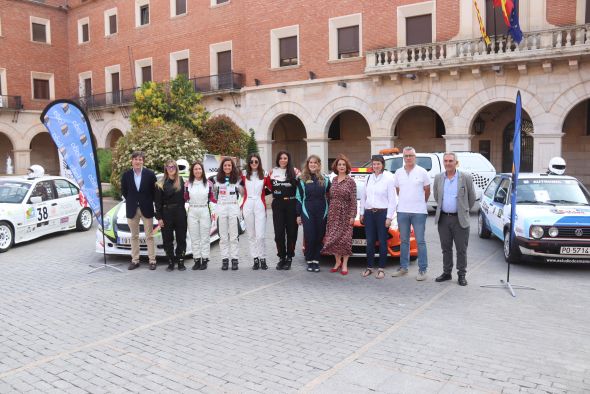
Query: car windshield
[12, 192]
[551, 191]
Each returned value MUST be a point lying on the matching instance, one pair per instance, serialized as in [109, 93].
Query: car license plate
[127, 240]
[359, 242]
[575, 250]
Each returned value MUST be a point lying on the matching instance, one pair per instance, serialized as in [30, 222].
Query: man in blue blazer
[455, 196]
[138, 188]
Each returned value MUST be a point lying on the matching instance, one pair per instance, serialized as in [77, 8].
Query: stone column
[378, 143]
[545, 146]
[265, 150]
[22, 161]
[457, 142]
[319, 147]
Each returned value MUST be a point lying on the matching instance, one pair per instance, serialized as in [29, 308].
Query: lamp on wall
[311, 75]
[478, 125]
[282, 91]
[342, 84]
[257, 81]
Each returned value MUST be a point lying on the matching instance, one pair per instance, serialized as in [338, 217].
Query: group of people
[325, 207]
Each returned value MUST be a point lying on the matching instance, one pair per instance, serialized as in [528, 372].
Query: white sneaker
[400, 272]
[421, 276]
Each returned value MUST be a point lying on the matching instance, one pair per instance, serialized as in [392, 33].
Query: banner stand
[515, 172]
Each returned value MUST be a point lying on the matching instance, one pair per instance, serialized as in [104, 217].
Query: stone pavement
[255, 331]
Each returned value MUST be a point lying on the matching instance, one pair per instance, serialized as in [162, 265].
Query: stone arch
[474, 104]
[571, 97]
[113, 133]
[10, 133]
[397, 107]
[232, 114]
[275, 112]
[102, 134]
[341, 104]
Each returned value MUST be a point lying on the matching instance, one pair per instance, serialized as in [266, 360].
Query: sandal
[367, 272]
[380, 274]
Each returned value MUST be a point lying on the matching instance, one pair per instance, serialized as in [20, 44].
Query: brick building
[311, 77]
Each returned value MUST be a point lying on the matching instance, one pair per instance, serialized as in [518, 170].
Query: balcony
[565, 42]
[11, 103]
[212, 84]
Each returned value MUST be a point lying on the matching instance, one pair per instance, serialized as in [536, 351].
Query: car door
[41, 213]
[498, 206]
[67, 204]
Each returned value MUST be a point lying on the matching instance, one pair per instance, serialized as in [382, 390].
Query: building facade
[344, 76]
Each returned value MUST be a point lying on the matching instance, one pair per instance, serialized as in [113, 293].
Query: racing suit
[254, 210]
[228, 212]
[284, 212]
[312, 207]
[199, 217]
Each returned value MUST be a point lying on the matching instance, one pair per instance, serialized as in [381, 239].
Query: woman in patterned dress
[341, 214]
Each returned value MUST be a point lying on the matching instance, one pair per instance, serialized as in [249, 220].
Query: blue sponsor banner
[515, 164]
[69, 128]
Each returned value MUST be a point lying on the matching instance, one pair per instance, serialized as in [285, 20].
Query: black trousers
[284, 218]
[174, 227]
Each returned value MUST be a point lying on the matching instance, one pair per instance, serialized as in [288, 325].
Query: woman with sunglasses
[256, 186]
[171, 215]
[283, 179]
[226, 190]
[198, 193]
[312, 209]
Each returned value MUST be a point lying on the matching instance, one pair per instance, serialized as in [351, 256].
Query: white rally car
[117, 235]
[552, 217]
[33, 207]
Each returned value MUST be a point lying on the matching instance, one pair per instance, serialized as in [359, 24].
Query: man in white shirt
[413, 188]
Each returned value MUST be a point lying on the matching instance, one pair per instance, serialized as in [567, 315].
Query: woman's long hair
[176, 180]
[259, 171]
[290, 170]
[191, 175]
[234, 175]
[306, 173]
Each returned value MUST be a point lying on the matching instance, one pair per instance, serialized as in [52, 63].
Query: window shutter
[85, 37]
[112, 24]
[182, 67]
[41, 89]
[39, 33]
[288, 51]
[146, 74]
[419, 29]
[180, 7]
[348, 42]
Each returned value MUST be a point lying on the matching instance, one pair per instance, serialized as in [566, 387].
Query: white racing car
[33, 206]
[117, 234]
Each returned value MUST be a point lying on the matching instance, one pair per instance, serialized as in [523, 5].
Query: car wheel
[84, 221]
[6, 236]
[511, 252]
[482, 228]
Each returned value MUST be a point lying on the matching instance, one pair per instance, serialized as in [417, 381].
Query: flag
[507, 7]
[515, 165]
[482, 28]
[514, 29]
[69, 128]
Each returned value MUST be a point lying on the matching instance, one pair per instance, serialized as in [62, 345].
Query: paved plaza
[63, 330]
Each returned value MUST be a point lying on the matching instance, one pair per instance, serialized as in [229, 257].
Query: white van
[481, 170]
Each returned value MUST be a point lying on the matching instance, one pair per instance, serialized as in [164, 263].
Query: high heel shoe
[335, 269]
[344, 272]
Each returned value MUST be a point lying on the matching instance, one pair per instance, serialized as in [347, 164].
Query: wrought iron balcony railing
[11, 102]
[535, 45]
[205, 85]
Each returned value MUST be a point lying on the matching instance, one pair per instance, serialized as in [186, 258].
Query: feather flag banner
[482, 28]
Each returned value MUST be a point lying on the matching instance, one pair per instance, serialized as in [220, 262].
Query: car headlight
[536, 232]
[553, 231]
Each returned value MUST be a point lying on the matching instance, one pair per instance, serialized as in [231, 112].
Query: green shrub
[105, 158]
[222, 136]
[159, 143]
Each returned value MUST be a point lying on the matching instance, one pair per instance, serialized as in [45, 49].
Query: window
[42, 85]
[64, 188]
[220, 61]
[112, 84]
[417, 16]
[419, 29]
[177, 7]
[3, 90]
[83, 33]
[0, 27]
[40, 30]
[348, 42]
[43, 190]
[345, 37]
[143, 71]
[110, 22]
[502, 193]
[491, 189]
[179, 63]
[85, 84]
[218, 2]
[586, 16]
[284, 46]
[142, 12]
[495, 25]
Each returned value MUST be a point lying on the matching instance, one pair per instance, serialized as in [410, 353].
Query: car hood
[565, 215]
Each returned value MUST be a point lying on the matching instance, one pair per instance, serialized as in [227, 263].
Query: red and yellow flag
[507, 6]
[482, 28]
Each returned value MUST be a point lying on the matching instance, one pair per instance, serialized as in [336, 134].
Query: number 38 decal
[42, 214]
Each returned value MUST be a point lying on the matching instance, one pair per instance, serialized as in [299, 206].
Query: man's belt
[375, 210]
[449, 213]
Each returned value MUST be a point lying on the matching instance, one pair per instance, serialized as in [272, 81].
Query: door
[526, 147]
[40, 214]
[224, 69]
[115, 88]
[68, 203]
[498, 207]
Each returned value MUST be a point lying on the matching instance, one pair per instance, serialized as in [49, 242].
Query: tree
[159, 143]
[252, 144]
[176, 102]
[222, 136]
